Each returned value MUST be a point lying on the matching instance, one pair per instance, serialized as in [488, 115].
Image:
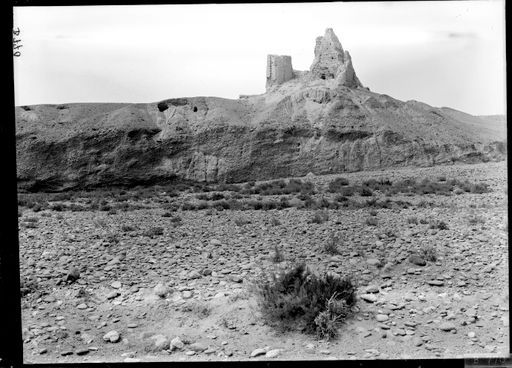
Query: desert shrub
[57, 207]
[30, 225]
[280, 187]
[241, 221]
[374, 184]
[62, 196]
[429, 253]
[329, 321]
[26, 108]
[105, 207]
[294, 299]
[322, 203]
[475, 220]
[176, 220]
[127, 228]
[337, 185]
[347, 191]
[372, 221]
[277, 256]
[274, 221]
[270, 205]
[320, 217]
[412, 220]
[423, 204]
[479, 188]
[284, 203]
[331, 245]
[202, 310]
[365, 192]
[228, 187]
[440, 225]
[341, 198]
[154, 231]
[187, 206]
[423, 221]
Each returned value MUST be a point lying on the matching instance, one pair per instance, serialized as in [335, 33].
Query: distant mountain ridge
[321, 121]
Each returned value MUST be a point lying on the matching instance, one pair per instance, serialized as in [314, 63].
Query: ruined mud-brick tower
[279, 69]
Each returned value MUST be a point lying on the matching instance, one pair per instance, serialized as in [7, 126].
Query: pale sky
[447, 53]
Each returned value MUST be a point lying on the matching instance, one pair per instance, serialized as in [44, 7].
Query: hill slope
[321, 121]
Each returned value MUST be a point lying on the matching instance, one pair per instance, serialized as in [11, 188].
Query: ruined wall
[279, 69]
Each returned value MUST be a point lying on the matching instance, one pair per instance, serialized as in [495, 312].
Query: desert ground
[163, 274]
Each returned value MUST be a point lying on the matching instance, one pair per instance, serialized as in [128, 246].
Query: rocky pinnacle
[332, 62]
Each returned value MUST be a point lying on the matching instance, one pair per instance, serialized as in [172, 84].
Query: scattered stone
[187, 294]
[381, 317]
[257, 352]
[82, 351]
[435, 283]
[131, 360]
[373, 262]
[272, 353]
[161, 342]
[197, 347]
[177, 344]
[370, 298]
[373, 289]
[112, 336]
[113, 294]
[73, 274]
[116, 284]
[447, 326]
[160, 290]
[417, 260]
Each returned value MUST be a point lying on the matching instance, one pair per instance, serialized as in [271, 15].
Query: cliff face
[300, 125]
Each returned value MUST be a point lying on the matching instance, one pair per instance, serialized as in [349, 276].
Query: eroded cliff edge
[320, 121]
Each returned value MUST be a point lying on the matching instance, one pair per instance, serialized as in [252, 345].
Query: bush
[365, 192]
[176, 220]
[320, 217]
[154, 231]
[241, 221]
[295, 299]
[337, 185]
[475, 220]
[274, 221]
[331, 246]
[328, 322]
[436, 224]
[429, 253]
[278, 256]
[412, 220]
[372, 221]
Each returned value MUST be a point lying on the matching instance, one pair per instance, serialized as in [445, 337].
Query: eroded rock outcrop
[332, 62]
[303, 123]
